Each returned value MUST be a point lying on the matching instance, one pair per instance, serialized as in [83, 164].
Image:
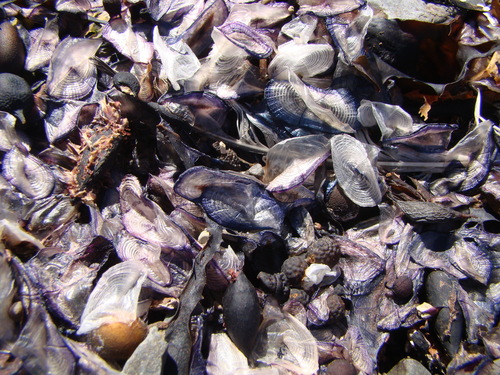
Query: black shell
[127, 80]
[241, 313]
[15, 94]
[13, 52]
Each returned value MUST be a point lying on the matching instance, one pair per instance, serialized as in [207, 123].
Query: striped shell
[354, 171]
[303, 106]
[131, 248]
[28, 174]
[305, 60]
[71, 73]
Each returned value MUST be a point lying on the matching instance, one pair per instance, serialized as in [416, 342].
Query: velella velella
[249, 186]
[71, 74]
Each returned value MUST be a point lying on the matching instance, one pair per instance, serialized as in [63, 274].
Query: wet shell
[71, 74]
[354, 171]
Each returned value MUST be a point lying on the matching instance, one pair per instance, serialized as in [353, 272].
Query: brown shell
[118, 340]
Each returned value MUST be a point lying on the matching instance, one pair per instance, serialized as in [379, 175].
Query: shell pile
[253, 187]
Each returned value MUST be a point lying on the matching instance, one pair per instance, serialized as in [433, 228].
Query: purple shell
[251, 40]
[429, 138]
[145, 220]
[231, 200]
[292, 161]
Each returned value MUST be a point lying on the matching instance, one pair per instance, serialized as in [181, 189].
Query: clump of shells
[240, 186]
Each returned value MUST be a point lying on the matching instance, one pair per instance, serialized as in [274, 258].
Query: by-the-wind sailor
[71, 73]
[9, 134]
[178, 62]
[430, 138]
[470, 161]
[354, 171]
[392, 120]
[299, 105]
[285, 342]
[28, 173]
[328, 8]
[248, 38]
[231, 200]
[291, 161]
[43, 44]
[301, 28]
[131, 44]
[131, 248]
[305, 60]
[111, 316]
[144, 219]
